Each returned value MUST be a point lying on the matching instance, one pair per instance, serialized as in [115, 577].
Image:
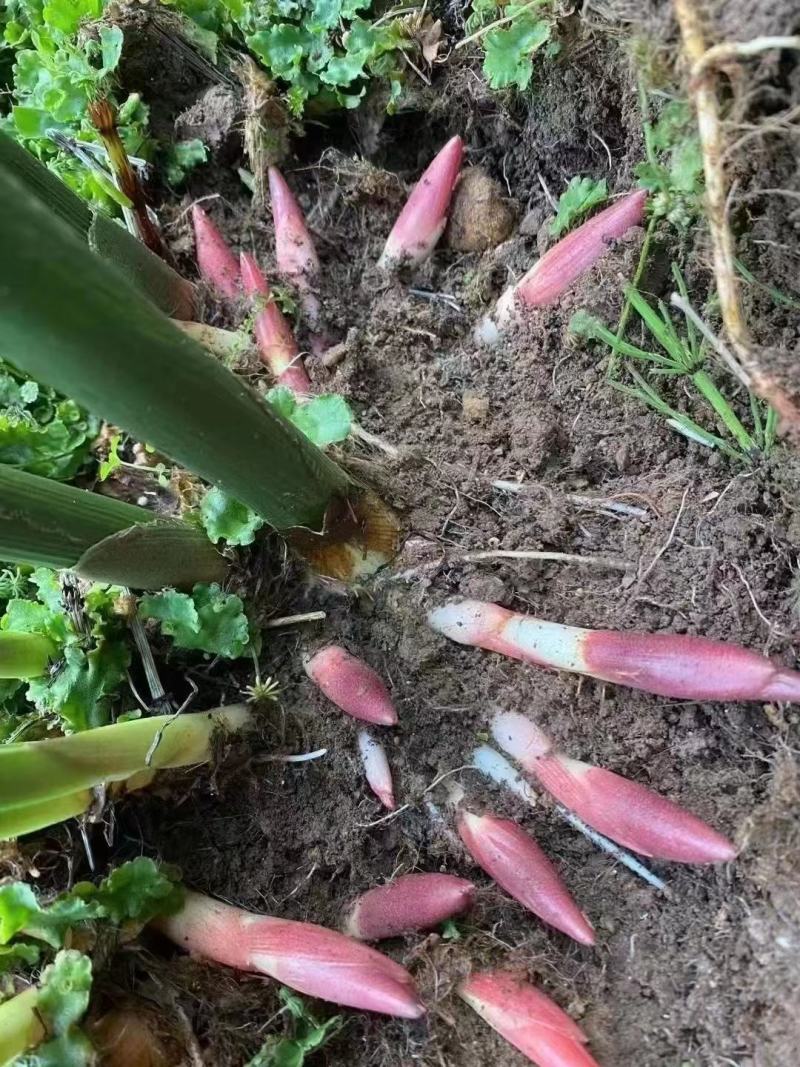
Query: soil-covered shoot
[399, 534]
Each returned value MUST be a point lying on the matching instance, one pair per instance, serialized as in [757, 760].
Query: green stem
[33, 772]
[726, 413]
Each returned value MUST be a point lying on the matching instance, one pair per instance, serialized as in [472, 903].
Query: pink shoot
[275, 339]
[409, 903]
[527, 1019]
[615, 806]
[559, 268]
[422, 221]
[216, 261]
[671, 665]
[376, 768]
[294, 250]
[308, 958]
[352, 685]
[518, 865]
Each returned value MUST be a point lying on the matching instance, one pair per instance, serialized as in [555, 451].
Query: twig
[703, 92]
[558, 557]
[719, 54]
[358, 431]
[613, 850]
[498, 22]
[551, 200]
[595, 502]
[405, 807]
[302, 757]
[722, 350]
[771, 625]
[148, 759]
[669, 540]
[442, 298]
[292, 620]
[158, 695]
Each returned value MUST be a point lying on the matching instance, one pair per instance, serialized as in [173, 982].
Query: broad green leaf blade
[24, 655]
[20, 1025]
[28, 818]
[42, 521]
[73, 321]
[155, 278]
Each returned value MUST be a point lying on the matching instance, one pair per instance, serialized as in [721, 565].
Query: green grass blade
[33, 772]
[71, 320]
[59, 526]
[729, 418]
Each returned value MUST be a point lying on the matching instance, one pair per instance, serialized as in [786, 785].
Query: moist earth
[673, 538]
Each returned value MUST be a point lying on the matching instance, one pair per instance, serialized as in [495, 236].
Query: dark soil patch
[704, 975]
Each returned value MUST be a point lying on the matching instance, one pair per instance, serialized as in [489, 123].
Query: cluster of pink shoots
[337, 966]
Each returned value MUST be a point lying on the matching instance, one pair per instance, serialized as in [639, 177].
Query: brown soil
[703, 975]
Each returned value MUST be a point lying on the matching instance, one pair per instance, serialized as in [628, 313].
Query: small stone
[475, 407]
[481, 217]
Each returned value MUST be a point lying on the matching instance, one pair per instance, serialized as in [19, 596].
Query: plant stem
[34, 772]
[703, 91]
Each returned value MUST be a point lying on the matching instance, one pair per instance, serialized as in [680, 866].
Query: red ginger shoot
[352, 685]
[422, 221]
[625, 811]
[410, 903]
[527, 1019]
[217, 263]
[670, 665]
[295, 253]
[562, 265]
[274, 335]
[515, 861]
[306, 957]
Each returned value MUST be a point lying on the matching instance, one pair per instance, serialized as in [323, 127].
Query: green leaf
[450, 930]
[182, 157]
[61, 1004]
[228, 520]
[112, 462]
[79, 689]
[580, 196]
[111, 39]
[209, 620]
[137, 891]
[323, 419]
[309, 1036]
[21, 954]
[509, 50]
[66, 15]
[17, 904]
